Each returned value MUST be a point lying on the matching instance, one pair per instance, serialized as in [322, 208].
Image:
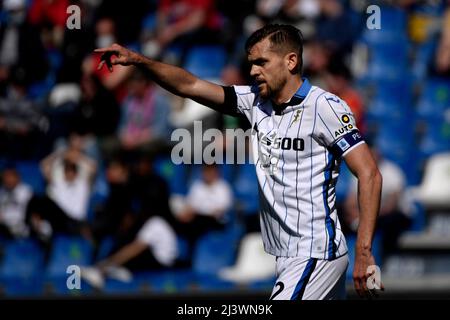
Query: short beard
[272, 92]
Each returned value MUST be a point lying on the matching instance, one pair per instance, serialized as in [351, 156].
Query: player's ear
[291, 61]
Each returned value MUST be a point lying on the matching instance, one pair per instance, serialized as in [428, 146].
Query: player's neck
[288, 91]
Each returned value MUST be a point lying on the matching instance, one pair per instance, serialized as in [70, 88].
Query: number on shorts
[281, 288]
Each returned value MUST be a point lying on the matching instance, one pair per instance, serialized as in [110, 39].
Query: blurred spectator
[153, 248]
[98, 112]
[150, 242]
[443, 52]
[115, 216]
[393, 219]
[339, 82]
[128, 18]
[64, 208]
[105, 31]
[21, 48]
[22, 122]
[207, 203]
[14, 197]
[150, 191]
[301, 13]
[335, 27]
[183, 23]
[316, 59]
[50, 16]
[144, 120]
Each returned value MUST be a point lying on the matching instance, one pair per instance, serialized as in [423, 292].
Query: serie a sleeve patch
[346, 142]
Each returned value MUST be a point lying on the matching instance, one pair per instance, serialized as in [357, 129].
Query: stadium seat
[435, 139]
[211, 282]
[393, 27]
[246, 189]
[170, 281]
[66, 251]
[252, 264]
[30, 173]
[21, 268]
[115, 287]
[343, 183]
[434, 99]
[206, 61]
[423, 56]
[433, 191]
[216, 250]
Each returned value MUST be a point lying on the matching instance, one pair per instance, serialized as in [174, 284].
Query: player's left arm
[336, 129]
[361, 163]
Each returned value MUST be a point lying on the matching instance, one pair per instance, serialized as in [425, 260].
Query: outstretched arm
[174, 79]
[363, 166]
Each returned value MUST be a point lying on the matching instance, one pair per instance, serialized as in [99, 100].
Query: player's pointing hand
[117, 54]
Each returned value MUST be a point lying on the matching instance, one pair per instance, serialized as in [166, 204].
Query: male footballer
[300, 135]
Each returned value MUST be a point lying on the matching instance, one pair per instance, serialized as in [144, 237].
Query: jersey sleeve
[245, 98]
[336, 126]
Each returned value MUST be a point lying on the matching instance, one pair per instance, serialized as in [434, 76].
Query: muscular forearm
[172, 78]
[369, 192]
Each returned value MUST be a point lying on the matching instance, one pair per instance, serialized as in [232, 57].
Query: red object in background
[179, 9]
[49, 11]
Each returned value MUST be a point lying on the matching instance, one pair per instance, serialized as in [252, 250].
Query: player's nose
[254, 71]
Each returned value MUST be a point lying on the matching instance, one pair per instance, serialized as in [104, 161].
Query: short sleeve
[336, 125]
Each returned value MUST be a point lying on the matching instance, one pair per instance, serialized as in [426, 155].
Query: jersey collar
[296, 99]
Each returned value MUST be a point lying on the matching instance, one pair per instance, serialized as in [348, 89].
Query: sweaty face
[268, 69]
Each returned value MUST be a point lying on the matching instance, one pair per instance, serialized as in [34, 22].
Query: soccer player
[300, 135]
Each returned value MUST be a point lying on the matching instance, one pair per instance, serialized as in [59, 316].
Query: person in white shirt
[63, 209]
[207, 203]
[154, 248]
[14, 198]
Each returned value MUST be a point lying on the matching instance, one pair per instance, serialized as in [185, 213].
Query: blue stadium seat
[66, 251]
[216, 250]
[246, 188]
[398, 145]
[434, 99]
[435, 139]
[21, 269]
[393, 27]
[178, 179]
[116, 287]
[343, 184]
[105, 248]
[423, 55]
[206, 61]
[211, 282]
[170, 281]
[31, 175]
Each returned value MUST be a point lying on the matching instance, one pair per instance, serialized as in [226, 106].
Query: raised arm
[174, 79]
[363, 166]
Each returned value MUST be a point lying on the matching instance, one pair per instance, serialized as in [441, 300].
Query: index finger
[104, 50]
